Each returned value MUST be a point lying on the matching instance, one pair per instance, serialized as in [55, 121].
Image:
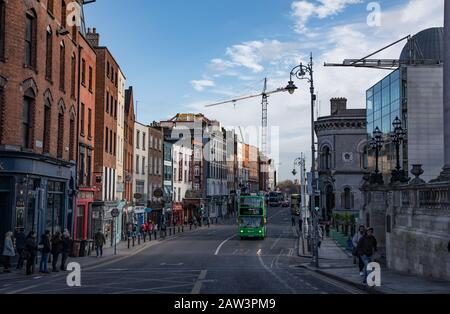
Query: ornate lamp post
[306, 72]
[376, 144]
[398, 136]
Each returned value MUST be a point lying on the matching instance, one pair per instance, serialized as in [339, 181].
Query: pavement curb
[343, 280]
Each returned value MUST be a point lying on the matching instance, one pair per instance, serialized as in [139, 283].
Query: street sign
[115, 213]
[158, 193]
[137, 196]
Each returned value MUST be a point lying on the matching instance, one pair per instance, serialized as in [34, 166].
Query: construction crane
[265, 95]
[415, 57]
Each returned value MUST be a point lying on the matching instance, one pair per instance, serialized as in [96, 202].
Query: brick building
[38, 115]
[129, 155]
[86, 139]
[106, 103]
[155, 164]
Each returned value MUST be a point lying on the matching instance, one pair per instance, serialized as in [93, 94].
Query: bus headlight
[260, 231]
[242, 231]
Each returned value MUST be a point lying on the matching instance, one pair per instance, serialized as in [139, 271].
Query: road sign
[137, 196]
[115, 212]
[158, 193]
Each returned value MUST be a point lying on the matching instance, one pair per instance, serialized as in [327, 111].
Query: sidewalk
[338, 264]
[123, 252]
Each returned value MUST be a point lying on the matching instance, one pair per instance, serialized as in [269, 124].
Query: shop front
[139, 212]
[85, 198]
[36, 193]
[103, 220]
[177, 214]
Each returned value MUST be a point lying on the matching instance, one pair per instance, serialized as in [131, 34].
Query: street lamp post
[398, 136]
[376, 144]
[303, 72]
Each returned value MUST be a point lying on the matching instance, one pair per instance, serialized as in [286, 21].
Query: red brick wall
[14, 71]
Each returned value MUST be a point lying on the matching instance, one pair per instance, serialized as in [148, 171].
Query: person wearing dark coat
[366, 248]
[99, 240]
[66, 241]
[56, 250]
[46, 250]
[21, 241]
[30, 252]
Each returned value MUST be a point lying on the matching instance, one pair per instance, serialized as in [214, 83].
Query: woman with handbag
[8, 252]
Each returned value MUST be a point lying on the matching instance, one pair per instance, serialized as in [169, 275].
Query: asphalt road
[209, 261]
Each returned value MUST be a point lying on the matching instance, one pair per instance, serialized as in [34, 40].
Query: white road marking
[222, 244]
[276, 276]
[276, 242]
[23, 289]
[198, 284]
[165, 264]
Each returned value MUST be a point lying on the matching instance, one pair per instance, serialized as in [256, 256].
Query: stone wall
[412, 225]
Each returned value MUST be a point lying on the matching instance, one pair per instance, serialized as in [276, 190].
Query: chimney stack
[93, 37]
[338, 105]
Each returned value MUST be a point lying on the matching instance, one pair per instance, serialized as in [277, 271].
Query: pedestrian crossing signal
[317, 209]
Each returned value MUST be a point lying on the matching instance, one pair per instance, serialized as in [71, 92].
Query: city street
[210, 260]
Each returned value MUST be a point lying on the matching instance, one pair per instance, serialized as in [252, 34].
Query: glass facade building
[385, 101]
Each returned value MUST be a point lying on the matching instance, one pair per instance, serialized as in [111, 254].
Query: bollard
[129, 240]
[149, 237]
[170, 231]
[182, 228]
[133, 241]
[139, 239]
[155, 234]
[178, 229]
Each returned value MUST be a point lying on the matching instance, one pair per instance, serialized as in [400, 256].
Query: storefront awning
[148, 210]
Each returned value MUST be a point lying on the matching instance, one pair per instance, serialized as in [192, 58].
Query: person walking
[320, 236]
[100, 240]
[367, 247]
[361, 232]
[56, 250]
[30, 252]
[293, 221]
[21, 240]
[45, 251]
[300, 224]
[65, 249]
[8, 252]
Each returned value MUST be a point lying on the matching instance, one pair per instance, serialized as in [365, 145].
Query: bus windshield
[250, 222]
[252, 202]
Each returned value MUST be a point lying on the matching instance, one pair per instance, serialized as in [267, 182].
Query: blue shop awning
[148, 210]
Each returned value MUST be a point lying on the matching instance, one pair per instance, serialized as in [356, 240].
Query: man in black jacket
[367, 246]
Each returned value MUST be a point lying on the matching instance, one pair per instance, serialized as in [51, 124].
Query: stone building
[342, 158]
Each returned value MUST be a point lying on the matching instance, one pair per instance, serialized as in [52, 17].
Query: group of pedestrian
[364, 249]
[27, 248]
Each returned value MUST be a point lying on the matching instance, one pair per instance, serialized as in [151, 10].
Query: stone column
[445, 175]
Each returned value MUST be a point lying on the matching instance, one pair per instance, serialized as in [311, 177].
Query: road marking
[259, 252]
[165, 264]
[198, 284]
[222, 244]
[276, 276]
[23, 289]
[276, 242]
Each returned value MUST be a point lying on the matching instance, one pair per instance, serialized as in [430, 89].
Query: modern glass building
[414, 94]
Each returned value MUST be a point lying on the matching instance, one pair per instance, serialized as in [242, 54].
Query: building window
[81, 170]
[150, 165]
[107, 69]
[89, 168]
[89, 123]
[143, 141]
[2, 112]
[112, 103]
[83, 72]
[49, 55]
[137, 164]
[143, 165]
[72, 76]
[30, 40]
[60, 147]
[50, 6]
[116, 80]
[326, 158]
[111, 142]
[138, 139]
[90, 78]
[62, 67]
[114, 143]
[47, 126]
[82, 119]
[72, 137]
[63, 14]
[107, 102]
[185, 176]
[2, 29]
[115, 109]
[365, 158]
[106, 139]
[347, 199]
[27, 120]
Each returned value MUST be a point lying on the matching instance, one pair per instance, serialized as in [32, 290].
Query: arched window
[326, 158]
[62, 67]
[72, 137]
[347, 199]
[365, 158]
[63, 14]
[49, 54]
[30, 39]
[72, 76]
[60, 147]
[47, 125]
[27, 118]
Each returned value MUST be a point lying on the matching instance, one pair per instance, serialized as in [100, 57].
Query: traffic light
[317, 203]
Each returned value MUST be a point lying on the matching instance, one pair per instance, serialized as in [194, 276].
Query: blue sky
[179, 55]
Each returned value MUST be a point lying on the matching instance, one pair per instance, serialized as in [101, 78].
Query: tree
[289, 187]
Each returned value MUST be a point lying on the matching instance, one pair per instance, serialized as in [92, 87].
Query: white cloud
[200, 85]
[275, 58]
[303, 10]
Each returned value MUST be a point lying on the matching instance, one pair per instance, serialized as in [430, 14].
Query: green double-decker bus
[252, 219]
